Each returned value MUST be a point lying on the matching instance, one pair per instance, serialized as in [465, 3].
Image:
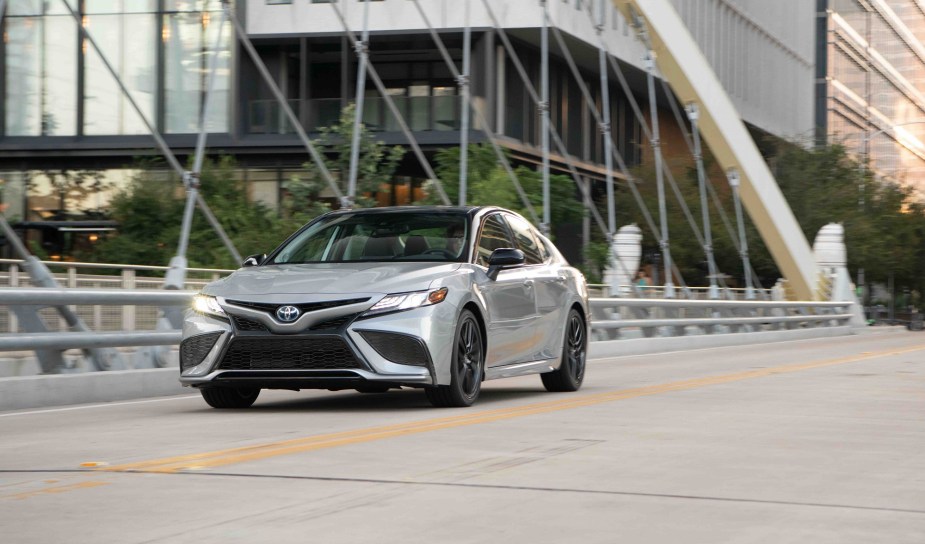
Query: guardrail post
[14, 282]
[128, 312]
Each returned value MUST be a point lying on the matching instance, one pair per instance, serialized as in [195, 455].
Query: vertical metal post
[463, 82]
[693, 113]
[659, 174]
[362, 50]
[733, 177]
[544, 116]
[605, 125]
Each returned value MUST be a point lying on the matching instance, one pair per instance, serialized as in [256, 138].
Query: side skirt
[521, 369]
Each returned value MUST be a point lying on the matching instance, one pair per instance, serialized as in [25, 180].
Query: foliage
[150, 212]
[376, 165]
[822, 185]
[489, 184]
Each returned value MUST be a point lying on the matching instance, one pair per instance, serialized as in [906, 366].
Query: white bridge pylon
[690, 76]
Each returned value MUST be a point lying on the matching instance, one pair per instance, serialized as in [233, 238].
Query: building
[870, 87]
[68, 138]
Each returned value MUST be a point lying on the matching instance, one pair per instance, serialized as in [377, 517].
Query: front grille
[261, 353]
[195, 348]
[248, 325]
[398, 348]
[334, 324]
[306, 307]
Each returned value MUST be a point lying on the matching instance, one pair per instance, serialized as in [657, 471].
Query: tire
[571, 372]
[229, 397]
[467, 367]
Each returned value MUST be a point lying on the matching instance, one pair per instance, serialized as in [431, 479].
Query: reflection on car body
[440, 298]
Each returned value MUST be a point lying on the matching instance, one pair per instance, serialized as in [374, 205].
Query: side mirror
[504, 257]
[254, 260]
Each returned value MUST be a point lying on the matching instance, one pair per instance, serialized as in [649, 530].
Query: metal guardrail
[674, 317]
[100, 276]
[89, 340]
[612, 317]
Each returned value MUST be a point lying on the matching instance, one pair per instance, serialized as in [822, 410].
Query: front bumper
[357, 351]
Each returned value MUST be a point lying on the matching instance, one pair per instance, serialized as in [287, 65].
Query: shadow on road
[392, 401]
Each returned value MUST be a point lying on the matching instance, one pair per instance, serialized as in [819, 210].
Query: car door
[510, 299]
[549, 286]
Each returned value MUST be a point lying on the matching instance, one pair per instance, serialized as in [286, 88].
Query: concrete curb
[59, 389]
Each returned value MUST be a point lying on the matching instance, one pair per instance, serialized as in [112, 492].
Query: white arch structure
[690, 76]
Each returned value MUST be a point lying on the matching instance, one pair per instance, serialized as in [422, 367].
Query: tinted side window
[494, 235]
[526, 242]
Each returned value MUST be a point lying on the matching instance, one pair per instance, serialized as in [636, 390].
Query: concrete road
[807, 442]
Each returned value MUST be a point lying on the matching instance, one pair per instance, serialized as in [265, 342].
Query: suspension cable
[480, 117]
[158, 139]
[464, 90]
[283, 103]
[528, 85]
[412, 141]
[614, 152]
[362, 51]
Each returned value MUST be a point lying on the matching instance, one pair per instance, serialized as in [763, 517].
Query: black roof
[454, 210]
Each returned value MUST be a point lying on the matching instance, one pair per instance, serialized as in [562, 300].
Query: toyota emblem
[287, 314]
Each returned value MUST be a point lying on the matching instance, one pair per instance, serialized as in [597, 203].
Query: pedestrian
[642, 281]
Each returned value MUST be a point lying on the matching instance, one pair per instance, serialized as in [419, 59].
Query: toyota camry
[439, 298]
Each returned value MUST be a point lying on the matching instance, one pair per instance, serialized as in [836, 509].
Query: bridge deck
[808, 441]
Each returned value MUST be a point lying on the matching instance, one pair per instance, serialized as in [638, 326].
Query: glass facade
[56, 84]
[875, 97]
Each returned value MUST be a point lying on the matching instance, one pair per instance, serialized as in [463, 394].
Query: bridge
[758, 411]
[814, 440]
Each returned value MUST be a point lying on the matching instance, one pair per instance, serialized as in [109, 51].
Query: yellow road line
[56, 490]
[311, 443]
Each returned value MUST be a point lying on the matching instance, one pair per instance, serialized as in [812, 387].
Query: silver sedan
[439, 298]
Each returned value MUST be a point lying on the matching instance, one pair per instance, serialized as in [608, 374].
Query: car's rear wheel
[466, 369]
[571, 371]
[230, 397]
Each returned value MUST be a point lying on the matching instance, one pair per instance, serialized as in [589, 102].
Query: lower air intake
[195, 348]
[398, 348]
[262, 353]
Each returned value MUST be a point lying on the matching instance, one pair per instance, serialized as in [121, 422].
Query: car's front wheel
[466, 369]
[571, 371]
[230, 397]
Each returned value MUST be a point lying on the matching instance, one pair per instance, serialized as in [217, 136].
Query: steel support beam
[682, 64]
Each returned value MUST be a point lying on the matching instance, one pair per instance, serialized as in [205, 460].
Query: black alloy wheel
[467, 368]
[571, 371]
[230, 397]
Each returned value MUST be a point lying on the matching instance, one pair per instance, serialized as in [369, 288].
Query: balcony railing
[422, 113]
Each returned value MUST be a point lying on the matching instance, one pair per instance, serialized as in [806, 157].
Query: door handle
[528, 284]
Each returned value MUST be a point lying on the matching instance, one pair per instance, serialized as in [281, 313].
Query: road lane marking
[206, 460]
[100, 405]
[56, 490]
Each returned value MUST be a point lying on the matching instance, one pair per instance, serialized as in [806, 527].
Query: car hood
[330, 278]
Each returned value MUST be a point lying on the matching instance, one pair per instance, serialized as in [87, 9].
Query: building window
[126, 31]
[188, 37]
[41, 75]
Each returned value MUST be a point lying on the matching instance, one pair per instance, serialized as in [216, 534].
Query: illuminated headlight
[207, 305]
[406, 301]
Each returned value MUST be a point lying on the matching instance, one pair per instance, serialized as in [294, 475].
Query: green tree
[150, 211]
[489, 184]
[376, 166]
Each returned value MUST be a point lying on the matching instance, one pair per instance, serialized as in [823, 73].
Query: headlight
[207, 305]
[406, 301]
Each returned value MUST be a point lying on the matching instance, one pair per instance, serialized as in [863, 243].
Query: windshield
[399, 236]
